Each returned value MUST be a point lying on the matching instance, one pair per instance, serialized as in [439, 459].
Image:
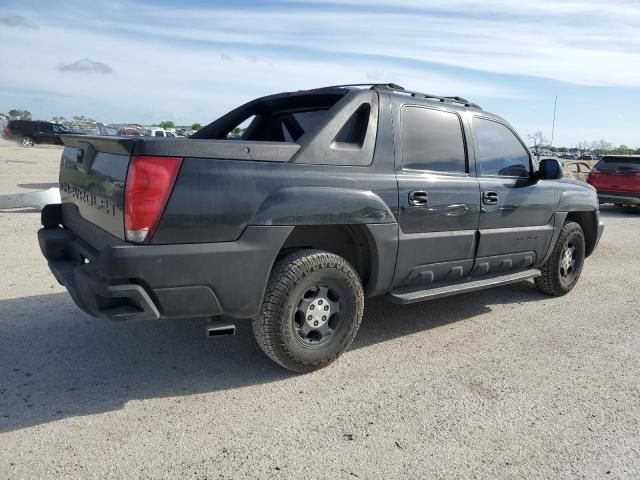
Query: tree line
[18, 114]
[596, 147]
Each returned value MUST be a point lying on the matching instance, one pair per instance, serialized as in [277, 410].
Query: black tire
[302, 285]
[562, 270]
[27, 141]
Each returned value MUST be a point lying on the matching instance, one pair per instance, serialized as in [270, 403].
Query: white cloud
[86, 65]
[153, 80]
[17, 21]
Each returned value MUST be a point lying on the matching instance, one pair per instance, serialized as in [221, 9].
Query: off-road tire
[552, 282]
[292, 276]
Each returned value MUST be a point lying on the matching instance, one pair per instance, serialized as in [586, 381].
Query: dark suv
[29, 132]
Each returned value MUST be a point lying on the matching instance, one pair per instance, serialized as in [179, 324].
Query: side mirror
[550, 169]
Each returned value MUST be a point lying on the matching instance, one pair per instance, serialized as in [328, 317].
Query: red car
[617, 179]
[129, 132]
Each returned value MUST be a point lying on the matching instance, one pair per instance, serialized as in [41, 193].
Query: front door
[516, 219]
[438, 197]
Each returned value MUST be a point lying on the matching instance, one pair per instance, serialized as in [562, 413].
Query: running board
[470, 284]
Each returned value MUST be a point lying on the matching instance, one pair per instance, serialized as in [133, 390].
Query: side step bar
[471, 284]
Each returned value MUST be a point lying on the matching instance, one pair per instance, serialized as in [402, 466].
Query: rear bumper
[627, 198]
[125, 281]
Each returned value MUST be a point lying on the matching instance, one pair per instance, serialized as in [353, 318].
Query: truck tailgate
[93, 172]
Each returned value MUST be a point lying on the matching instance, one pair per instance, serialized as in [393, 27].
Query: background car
[617, 180]
[158, 132]
[31, 132]
[129, 132]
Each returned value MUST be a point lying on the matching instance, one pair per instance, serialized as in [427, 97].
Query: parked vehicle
[586, 156]
[159, 132]
[576, 170]
[617, 180]
[129, 132]
[31, 132]
[329, 196]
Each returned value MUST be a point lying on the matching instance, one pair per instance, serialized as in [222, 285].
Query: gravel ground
[505, 383]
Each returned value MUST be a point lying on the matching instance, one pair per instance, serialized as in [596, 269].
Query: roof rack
[397, 88]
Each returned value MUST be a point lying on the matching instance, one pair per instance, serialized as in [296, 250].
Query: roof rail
[371, 85]
[397, 88]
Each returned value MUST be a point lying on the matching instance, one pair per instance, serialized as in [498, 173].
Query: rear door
[438, 196]
[516, 213]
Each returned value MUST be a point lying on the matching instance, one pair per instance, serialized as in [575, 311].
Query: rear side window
[159, 134]
[500, 153]
[432, 140]
[611, 164]
[45, 128]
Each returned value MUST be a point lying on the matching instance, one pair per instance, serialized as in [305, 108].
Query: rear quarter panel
[215, 200]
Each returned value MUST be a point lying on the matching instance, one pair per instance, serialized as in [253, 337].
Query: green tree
[601, 147]
[167, 124]
[622, 150]
[17, 114]
[196, 127]
[538, 141]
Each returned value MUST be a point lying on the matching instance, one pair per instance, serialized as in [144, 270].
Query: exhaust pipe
[219, 328]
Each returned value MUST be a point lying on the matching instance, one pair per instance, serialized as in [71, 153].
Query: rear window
[608, 164]
[432, 140]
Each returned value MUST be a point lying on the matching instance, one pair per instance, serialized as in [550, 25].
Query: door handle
[490, 198]
[418, 198]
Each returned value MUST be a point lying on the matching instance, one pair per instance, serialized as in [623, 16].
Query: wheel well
[351, 242]
[588, 222]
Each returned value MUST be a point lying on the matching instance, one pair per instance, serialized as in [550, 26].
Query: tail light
[7, 132]
[149, 184]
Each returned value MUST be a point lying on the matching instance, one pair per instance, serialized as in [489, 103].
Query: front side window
[432, 140]
[500, 153]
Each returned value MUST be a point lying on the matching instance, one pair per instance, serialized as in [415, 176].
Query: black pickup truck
[328, 196]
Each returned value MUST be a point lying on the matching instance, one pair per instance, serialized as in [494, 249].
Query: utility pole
[553, 126]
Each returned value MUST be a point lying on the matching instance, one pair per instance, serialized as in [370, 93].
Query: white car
[158, 132]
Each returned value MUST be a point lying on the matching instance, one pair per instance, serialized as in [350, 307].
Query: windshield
[60, 129]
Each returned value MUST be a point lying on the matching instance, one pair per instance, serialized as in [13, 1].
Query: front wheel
[561, 271]
[311, 310]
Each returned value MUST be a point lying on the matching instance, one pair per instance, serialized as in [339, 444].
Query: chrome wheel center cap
[567, 258]
[318, 313]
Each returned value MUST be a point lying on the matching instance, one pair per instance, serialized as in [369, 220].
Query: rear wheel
[562, 270]
[28, 142]
[311, 310]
